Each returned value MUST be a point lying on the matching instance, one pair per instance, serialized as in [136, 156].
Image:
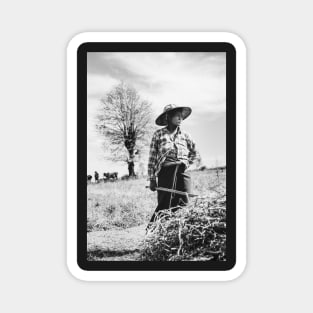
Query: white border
[73, 45]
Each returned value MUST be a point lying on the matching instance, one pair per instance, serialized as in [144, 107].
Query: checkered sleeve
[194, 154]
[153, 156]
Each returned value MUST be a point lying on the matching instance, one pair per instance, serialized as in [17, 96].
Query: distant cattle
[89, 178]
[110, 176]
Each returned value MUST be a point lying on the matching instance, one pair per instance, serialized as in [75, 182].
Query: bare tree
[126, 122]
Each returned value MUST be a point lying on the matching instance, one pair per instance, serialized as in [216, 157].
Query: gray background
[34, 36]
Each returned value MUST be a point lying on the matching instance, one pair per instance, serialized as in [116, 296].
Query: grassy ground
[120, 204]
[118, 213]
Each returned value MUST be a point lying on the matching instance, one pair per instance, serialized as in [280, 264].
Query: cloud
[98, 85]
[191, 79]
[119, 67]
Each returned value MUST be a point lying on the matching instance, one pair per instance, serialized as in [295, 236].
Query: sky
[196, 79]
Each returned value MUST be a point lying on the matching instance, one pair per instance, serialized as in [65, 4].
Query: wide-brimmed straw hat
[161, 119]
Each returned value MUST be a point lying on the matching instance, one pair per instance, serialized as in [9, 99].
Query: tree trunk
[130, 141]
[131, 168]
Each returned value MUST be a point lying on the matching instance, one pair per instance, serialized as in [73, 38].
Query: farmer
[172, 151]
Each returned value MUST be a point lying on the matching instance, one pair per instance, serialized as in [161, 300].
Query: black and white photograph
[156, 156]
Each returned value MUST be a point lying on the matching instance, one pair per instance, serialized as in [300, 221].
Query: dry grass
[116, 207]
[195, 232]
[124, 204]
[120, 204]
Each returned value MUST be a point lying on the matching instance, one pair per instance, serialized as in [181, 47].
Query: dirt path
[116, 245]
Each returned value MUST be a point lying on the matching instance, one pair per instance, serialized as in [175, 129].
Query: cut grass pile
[196, 232]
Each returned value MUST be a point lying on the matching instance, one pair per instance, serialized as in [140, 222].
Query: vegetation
[120, 204]
[197, 232]
[118, 213]
[125, 120]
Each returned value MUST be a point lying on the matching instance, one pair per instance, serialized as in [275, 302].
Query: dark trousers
[165, 179]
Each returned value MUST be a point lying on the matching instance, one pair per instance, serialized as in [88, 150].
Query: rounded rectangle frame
[236, 155]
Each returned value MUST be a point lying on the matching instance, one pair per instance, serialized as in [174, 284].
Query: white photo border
[72, 264]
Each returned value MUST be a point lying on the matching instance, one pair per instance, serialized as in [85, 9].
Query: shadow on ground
[114, 255]
[98, 253]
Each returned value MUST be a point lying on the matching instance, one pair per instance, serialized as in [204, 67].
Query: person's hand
[153, 185]
[183, 165]
[178, 162]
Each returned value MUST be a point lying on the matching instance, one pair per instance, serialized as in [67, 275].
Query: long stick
[175, 191]
[174, 186]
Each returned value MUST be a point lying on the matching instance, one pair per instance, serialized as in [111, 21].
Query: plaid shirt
[163, 145]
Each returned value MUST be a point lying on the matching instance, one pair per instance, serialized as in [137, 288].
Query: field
[118, 213]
